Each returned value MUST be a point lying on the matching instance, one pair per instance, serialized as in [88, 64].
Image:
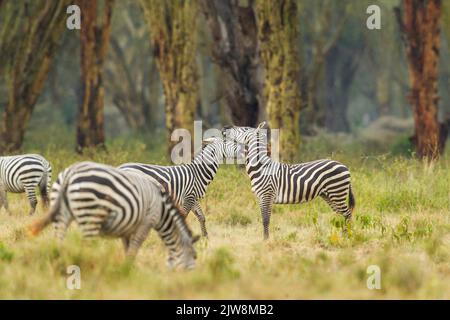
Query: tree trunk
[279, 37]
[172, 27]
[30, 33]
[421, 31]
[130, 71]
[94, 45]
[235, 51]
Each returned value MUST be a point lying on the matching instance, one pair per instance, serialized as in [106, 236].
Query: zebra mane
[214, 150]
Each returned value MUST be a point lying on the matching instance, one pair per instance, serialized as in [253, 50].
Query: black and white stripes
[275, 182]
[23, 173]
[105, 201]
[187, 183]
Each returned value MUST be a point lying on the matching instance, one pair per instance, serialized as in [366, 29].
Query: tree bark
[172, 27]
[94, 39]
[30, 34]
[235, 51]
[279, 37]
[420, 27]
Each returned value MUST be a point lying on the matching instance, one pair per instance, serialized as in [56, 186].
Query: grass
[401, 224]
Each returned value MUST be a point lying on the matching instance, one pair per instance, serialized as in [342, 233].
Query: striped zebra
[187, 183]
[23, 173]
[277, 183]
[105, 201]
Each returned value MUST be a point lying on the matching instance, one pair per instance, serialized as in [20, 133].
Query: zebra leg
[201, 218]
[61, 224]
[4, 200]
[340, 206]
[31, 194]
[137, 239]
[126, 243]
[265, 204]
[44, 193]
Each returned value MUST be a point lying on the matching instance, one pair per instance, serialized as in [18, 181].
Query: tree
[131, 70]
[172, 27]
[29, 35]
[324, 22]
[278, 37]
[235, 51]
[94, 37]
[420, 26]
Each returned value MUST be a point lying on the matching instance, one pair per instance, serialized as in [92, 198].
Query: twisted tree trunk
[94, 38]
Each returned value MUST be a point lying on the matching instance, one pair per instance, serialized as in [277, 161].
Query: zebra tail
[351, 199]
[45, 184]
[35, 228]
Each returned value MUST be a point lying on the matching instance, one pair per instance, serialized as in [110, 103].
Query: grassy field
[401, 224]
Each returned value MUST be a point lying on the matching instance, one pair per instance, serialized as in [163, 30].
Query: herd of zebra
[129, 200]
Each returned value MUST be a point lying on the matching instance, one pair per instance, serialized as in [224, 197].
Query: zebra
[281, 183]
[187, 183]
[105, 201]
[23, 173]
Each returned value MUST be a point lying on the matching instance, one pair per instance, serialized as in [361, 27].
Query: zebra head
[243, 135]
[186, 255]
[177, 235]
[223, 148]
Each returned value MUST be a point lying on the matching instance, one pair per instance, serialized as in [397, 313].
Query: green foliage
[402, 146]
[221, 264]
[235, 218]
[6, 255]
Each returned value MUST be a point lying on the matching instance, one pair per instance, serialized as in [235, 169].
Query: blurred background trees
[234, 33]
[94, 45]
[172, 27]
[420, 26]
[309, 67]
[278, 33]
[29, 35]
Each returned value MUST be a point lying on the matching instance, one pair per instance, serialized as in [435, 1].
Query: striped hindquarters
[101, 199]
[304, 182]
[19, 173]
[178, 181]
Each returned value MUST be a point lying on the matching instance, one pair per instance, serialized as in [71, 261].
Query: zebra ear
[208, 141]
[195, 238]
[260, 126]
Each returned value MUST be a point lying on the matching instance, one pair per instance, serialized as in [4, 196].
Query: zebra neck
[256, 155]
[206, 164]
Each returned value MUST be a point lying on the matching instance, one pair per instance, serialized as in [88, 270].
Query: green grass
[401, 224]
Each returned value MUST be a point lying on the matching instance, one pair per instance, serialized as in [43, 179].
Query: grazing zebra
[105, 201]
[187, 183]
[275, 182]
[24, 173]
